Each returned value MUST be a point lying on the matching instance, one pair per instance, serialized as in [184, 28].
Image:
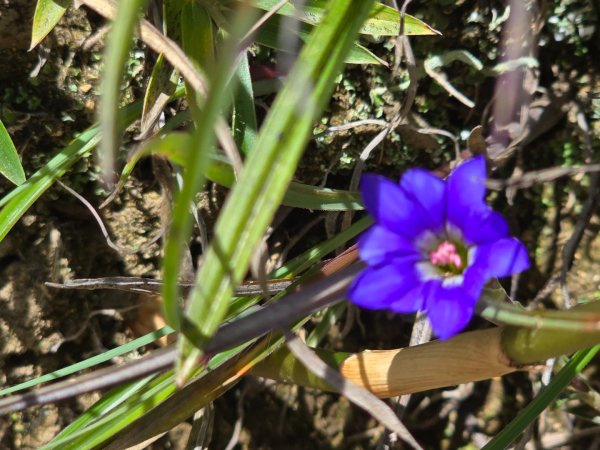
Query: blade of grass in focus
[109, 401]
[243, 121]
[164, 78]
[268, 171]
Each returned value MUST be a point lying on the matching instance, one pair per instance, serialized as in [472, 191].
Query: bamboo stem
[472, 356]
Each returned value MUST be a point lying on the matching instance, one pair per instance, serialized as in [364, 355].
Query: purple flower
[434, 246]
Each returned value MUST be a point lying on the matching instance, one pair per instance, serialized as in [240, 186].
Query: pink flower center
[447, 257]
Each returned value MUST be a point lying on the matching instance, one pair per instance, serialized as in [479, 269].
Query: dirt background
[49, 94]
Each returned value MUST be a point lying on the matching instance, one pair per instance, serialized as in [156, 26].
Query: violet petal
[390, 206]
[502, 258]
[379, 287]
[450, 312]
[429, 192]
[484, 226]
[378, 245]
[466, 191]
[412, 301]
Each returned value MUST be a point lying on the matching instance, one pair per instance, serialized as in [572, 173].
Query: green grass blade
[102, 429]
[91, 362]
[10, 164]
[46, 16]
[117, 52]
[197, 41]
[243, 122]
[546, 396]
[161, 88]
[102, 407]
[19, 200]
[164, 79]
[583, 318]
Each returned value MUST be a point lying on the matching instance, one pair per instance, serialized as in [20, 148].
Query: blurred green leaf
[46, 16]
[10, 164]
[175, 147]
[120, 40]
[207, 116]
[382, 20]
[270, 32]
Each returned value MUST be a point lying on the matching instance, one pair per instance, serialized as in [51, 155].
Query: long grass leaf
[19, 200]
[16, 202]
[243, 123]
[10, 164]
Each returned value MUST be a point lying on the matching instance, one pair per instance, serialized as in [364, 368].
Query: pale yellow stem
[472, 356]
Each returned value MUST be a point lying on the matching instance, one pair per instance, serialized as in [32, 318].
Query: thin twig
[357, 123]
[151, 286]
[440, 132]
[105, 312]
[532, 178]
[118, 248]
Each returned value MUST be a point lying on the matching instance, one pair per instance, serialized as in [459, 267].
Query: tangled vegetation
[180, 209]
